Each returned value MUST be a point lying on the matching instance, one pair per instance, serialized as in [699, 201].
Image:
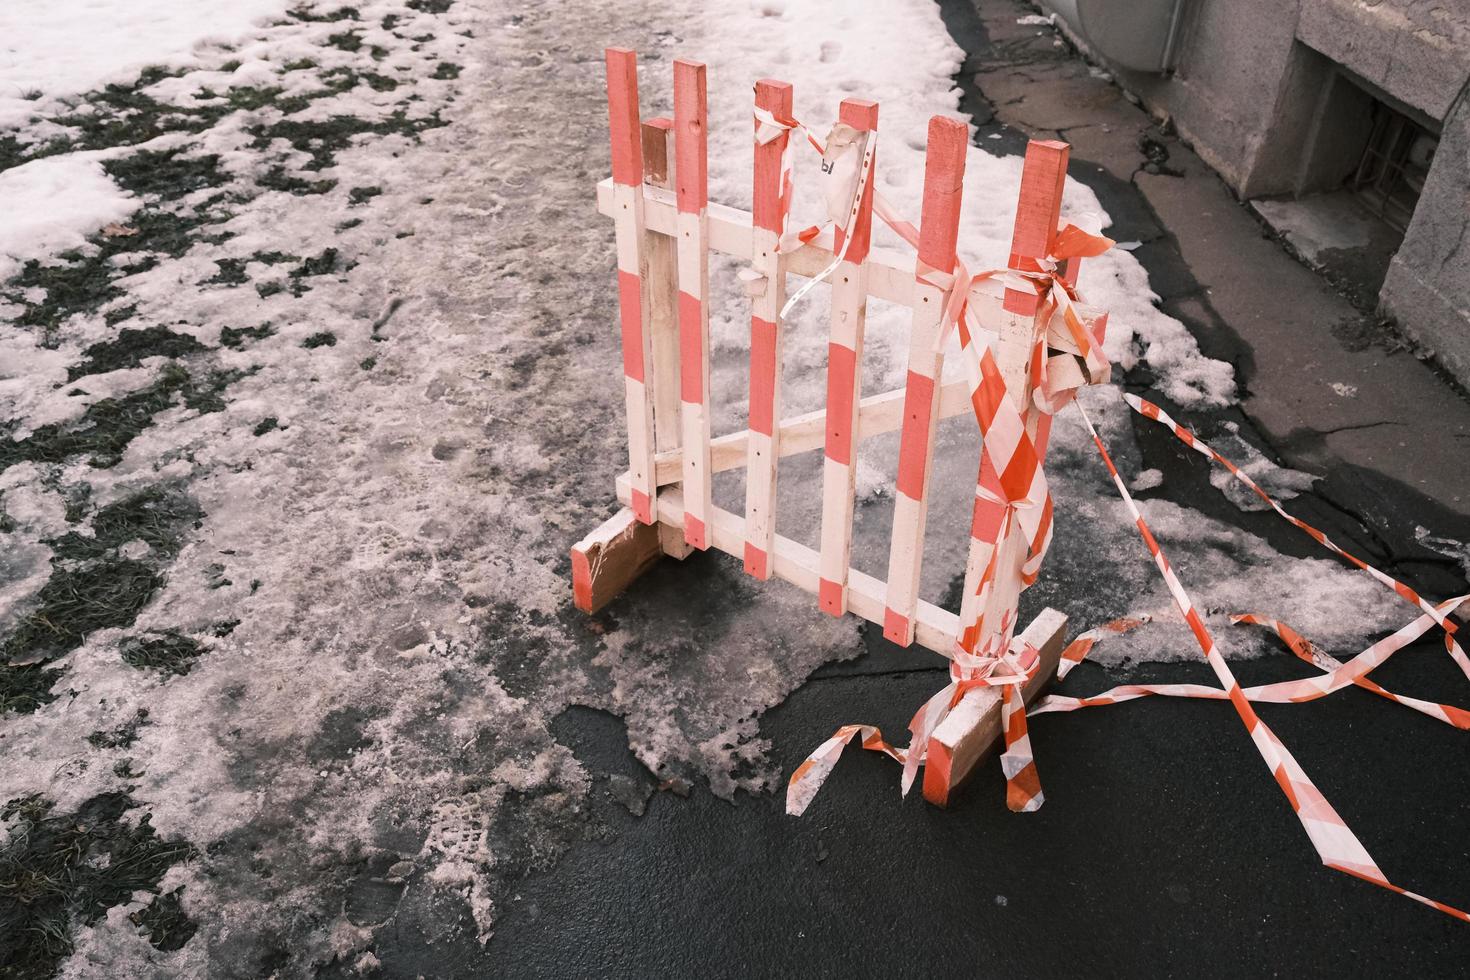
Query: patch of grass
[72, 604]
[165, 651]
[368, 363]
[113, 317]
[78, 501]
[109, 425]
[164, 919]
[446, 71]
[12, 152]
[85, 282]
[130, 348]
[168, 174]
[122, 736]
[268, 424]
[325, 17]
[158, 516]
[104, 430]
[324, 339]
[60, 870]
[231, 273]
[350, 41]
[360, 195]
[430, 6]
[276, 179]
[316, 265]
[322, 140]
[91, 587]
[208, 397]
[236, 337]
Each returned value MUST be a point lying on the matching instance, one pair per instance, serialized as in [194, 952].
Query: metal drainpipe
[1167, 62]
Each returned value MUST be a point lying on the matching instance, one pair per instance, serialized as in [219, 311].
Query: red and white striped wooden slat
[844, 379]
[691, 123]
[944, 177]
[661, 279]
[1042, 177]
[763, 449]
[627, 166]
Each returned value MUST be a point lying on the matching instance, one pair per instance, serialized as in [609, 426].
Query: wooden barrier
[665, 229]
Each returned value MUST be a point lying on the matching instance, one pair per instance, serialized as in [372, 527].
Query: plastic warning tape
[1011, 476]
[1151, 411]
[1336, 845]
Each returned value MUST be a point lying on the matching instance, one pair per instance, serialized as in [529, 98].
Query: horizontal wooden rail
[934, 629]
[802, 433]
[730, 233]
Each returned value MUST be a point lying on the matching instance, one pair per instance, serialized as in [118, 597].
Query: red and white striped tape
[1337, 846]
[1011, 478]
[1013, 485]
[1151, 411]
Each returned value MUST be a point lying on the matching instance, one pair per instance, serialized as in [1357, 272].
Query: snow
[53, 204]
[394, 548]
[51, 48]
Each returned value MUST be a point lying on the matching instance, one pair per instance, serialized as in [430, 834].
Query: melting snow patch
[61, 47]
[53, 204]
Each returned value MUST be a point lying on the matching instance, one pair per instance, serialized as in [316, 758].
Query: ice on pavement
[401, 403]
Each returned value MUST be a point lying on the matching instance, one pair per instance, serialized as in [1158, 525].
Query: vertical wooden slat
[690, 146]
[944, 177]
[763, 449]
[844, 382]
[633, 299]
[662, 278]
[1037, 210]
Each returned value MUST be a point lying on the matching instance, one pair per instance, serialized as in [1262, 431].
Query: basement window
[1396, 159]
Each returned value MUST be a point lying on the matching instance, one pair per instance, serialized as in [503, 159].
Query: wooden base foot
[606, 561]
[969, 732]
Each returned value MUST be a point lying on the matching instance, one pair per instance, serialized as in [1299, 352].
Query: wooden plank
[763, 447]
[972, 727]
[611, 557]
[662, 278]
[730, 234]
[944, 179]
[878, 414]
[1042, 178]
[1013, 317]
[691, 124]
[633, 299]
[844, 379]
[793, 562]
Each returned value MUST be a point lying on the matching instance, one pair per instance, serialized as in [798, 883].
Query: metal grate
[1390, 176]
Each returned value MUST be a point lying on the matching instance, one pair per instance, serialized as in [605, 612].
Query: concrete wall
[1428, 286]
[1271, 93]
[1417, 51]
[1231, 56]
